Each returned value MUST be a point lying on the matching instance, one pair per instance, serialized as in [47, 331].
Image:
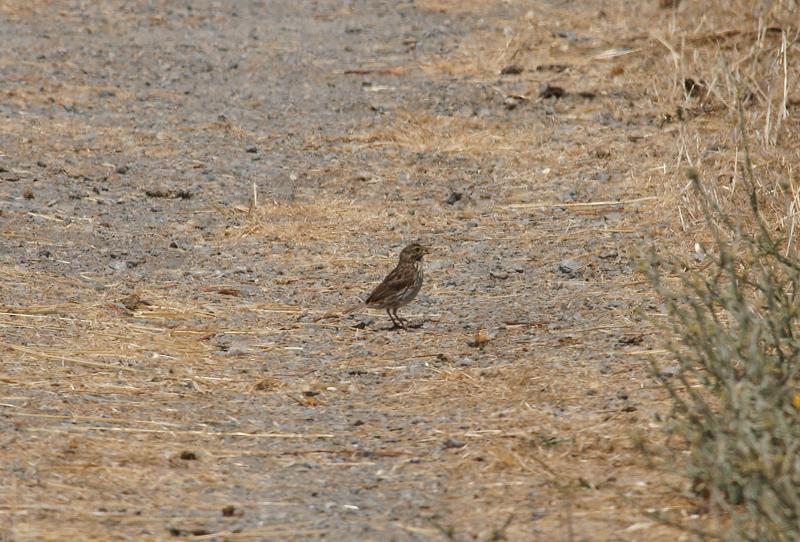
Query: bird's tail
[338, 313]
[351, 308]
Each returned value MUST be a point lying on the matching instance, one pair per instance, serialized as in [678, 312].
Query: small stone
[454, 197]
[122, 169]
[500, 275]
[252, 149]
[669, 372]
[606, 118]
[238, 348]
[364, 322]
[569, 196]
[568, 35]
[569, 267]
[187, 455]
[601, 176]
[453, 443]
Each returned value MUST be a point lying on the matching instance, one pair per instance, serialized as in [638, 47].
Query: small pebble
[510, 103]
[569, 267]
[568, 35]
[119, 265]
[453, 198]
[601, 176]
[669, 372]
[569, 196]
[453, 443]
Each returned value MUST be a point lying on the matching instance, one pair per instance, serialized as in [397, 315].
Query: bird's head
[413, 253]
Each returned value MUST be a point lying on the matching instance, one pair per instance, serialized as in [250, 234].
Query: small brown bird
[401, 286]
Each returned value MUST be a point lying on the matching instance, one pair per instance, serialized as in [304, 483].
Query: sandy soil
[170, 369]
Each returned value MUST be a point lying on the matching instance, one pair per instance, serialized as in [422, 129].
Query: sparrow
[401, 286]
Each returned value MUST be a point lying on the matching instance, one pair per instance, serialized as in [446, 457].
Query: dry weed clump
[735, 393]
[732, 305]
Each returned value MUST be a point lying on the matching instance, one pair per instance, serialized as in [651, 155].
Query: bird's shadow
[409, 326]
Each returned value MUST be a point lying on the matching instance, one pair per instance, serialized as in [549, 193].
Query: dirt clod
[551, 91]
[232, 511]
[168, 193]
[512, 69]
[134, 302]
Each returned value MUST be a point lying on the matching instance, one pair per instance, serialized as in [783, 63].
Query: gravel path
[170, 365]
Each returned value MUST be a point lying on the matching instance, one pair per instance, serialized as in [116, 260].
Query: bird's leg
[400, 320]
[394, 322]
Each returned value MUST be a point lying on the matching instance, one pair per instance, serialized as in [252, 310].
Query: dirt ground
[170, 366]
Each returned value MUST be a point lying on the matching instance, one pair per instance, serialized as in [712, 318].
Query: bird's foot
[406, 325]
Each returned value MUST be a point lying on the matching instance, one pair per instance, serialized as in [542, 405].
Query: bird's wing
[401, 278]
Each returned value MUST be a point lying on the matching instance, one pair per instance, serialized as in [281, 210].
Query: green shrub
[735, 396]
